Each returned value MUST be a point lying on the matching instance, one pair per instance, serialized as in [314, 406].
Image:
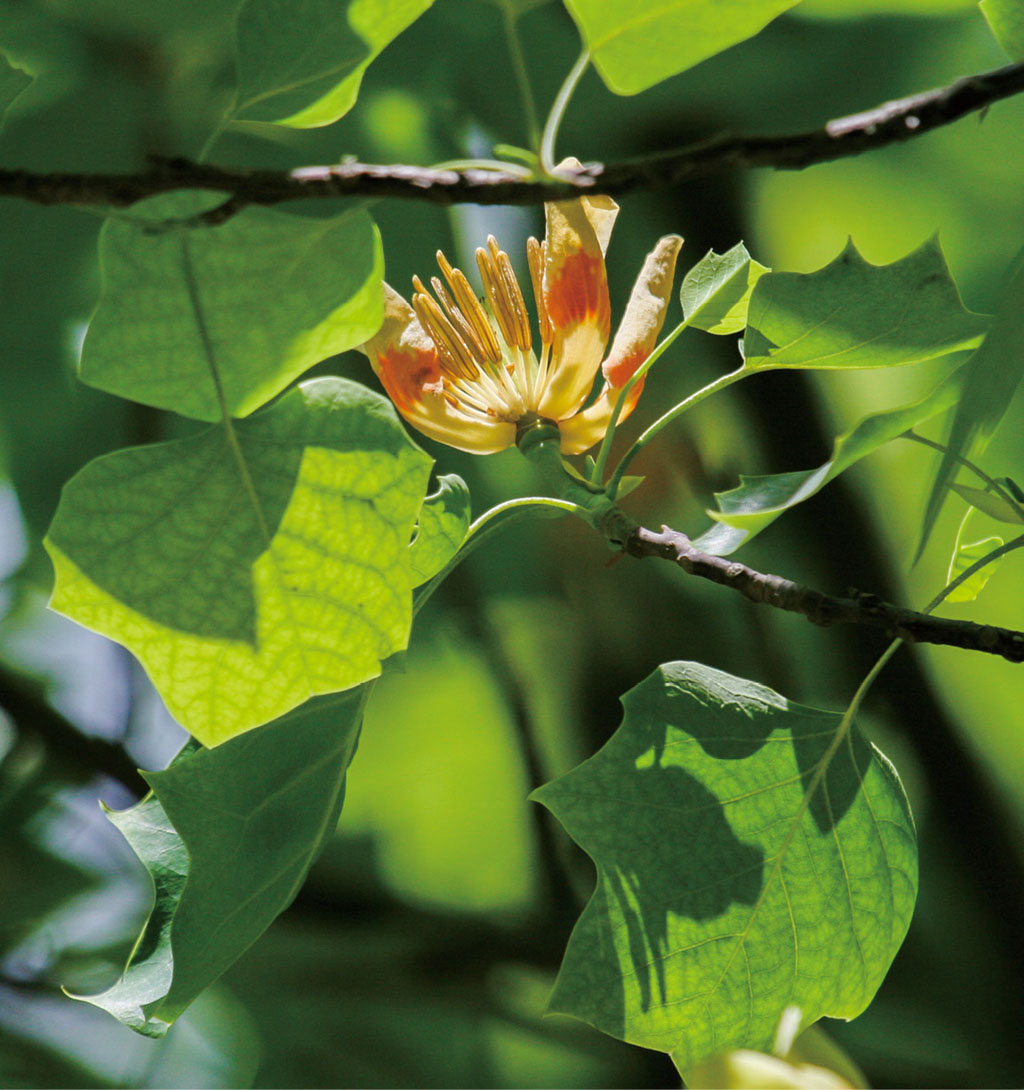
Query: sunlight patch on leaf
[716, 291]
[855, 314]
[727, 889]
[442, 527]
[638, 43]
[246, 587]
[274, 294]
[300, 62]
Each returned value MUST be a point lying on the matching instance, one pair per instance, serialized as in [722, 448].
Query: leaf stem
[484, 527]
[606, 444]
[515, 48]
[688, 403]
[558, 107]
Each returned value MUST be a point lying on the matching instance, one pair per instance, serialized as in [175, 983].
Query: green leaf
[228, 836]
[854, 314]
[250, 569]
[716, 291]
[751, 854]
[13, 81]
[638, 43]
[758, 501]
[991, 503]
[966, 553]
[442, 527]
[300, 62]
[1006, 18]
[993, 374]
[188, 316]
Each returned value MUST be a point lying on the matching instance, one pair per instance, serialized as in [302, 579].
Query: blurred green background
[423, 947]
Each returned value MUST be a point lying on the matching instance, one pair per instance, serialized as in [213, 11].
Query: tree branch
[824, 609]
[895, 121]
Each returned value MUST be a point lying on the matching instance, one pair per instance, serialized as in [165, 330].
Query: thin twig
[825, 609]
[891, 122]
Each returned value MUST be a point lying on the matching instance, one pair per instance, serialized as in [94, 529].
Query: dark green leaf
[991, 503]
[751, 854]
[854, 314]
[443, 523]
[213, 320]
[758, 501]
[300, 62]
[716, 291]
[13, 81]
[993, 374]
[228, 836]
[250, 570]
[637, 43]
[1006, 18]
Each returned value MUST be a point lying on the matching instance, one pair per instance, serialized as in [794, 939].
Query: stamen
[471, 309]
[536, 256]
[451, 348]
[495, 290]
[458, 320]
[514, 294]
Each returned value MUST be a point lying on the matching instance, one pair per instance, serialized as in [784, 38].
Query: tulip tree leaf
[13, 81]
[250, 570]
[188, 316]
[758, 501]
[751, 854]
[1006, 18]
[228, 836]
[638, 43]
[854, 314]
[993, 374]
[442, 527]
[716, 291]
[991, 503]
[300, 62]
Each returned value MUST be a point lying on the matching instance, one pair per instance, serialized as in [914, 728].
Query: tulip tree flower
[465, 371]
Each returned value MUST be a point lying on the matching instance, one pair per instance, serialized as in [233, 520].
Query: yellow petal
[577, 305]
[404, 358]
[582, 431]
[645, 313]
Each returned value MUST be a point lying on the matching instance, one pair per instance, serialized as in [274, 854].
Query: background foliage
[422, 949]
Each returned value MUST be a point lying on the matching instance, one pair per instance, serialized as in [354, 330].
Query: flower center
[485, 349]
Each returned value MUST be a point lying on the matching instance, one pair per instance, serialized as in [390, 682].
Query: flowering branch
[888, 123]
[824, 609]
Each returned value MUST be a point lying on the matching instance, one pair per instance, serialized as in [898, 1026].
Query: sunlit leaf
[1006, 18]
[250, 573]
[751, 854]
[993, 374]
[13, 81]
[854, 314]
[965, 553]
[638, 43]
[300, 62]
[228, 836]
[443, 522]
[758, 501]
[991, 503]
[213, 320]
[716, 291]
